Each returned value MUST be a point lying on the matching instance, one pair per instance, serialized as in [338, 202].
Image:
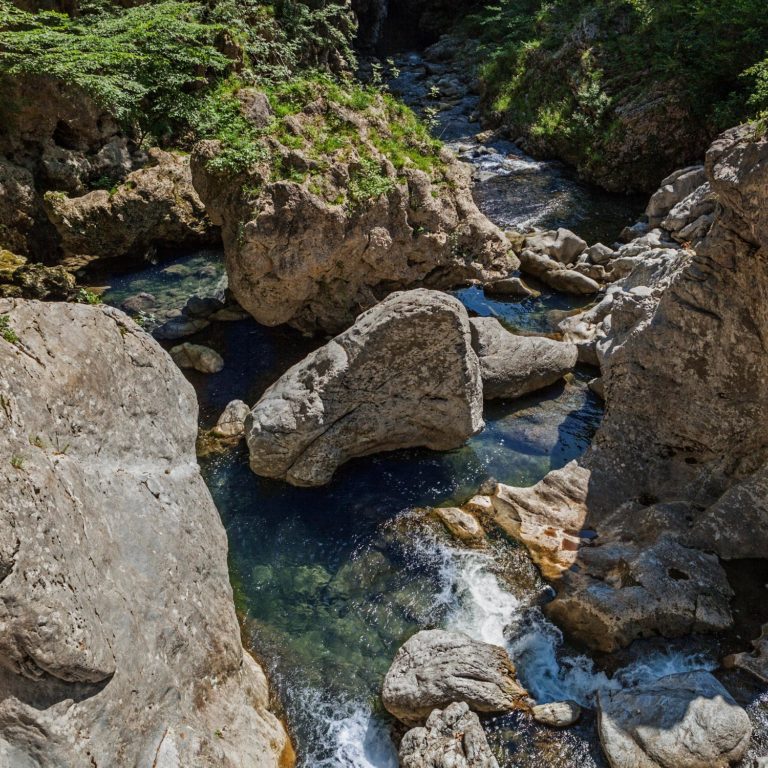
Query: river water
[331, 581]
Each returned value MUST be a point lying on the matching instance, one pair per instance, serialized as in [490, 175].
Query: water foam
[344, 733]
[480, 604]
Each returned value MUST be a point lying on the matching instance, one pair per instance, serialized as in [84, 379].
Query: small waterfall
[480, 604]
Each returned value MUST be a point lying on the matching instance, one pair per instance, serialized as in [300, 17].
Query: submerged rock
[512, 366]
[201, 358]
[559, 714]
[461, 524]
[452, 737]
[681, 721]
[435, 668]
[404, 375]
[120, 643]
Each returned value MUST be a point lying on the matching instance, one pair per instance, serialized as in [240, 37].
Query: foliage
[368, 182]
[6, 332]
[142, 64]
[561, 67]
[84, 296]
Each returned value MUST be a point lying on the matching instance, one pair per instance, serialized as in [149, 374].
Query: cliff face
[686, 374]
[119, 643]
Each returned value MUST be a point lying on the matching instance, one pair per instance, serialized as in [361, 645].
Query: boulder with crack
[404, 375]
[435, 668]
[451, 737]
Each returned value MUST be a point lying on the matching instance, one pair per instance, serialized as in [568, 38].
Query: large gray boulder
[452, 738]
[435, 668]
[513, 366]
[119, 643]
[682, 721]
[403, 375]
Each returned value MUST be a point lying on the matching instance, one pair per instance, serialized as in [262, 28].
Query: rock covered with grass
[338, 199]
[404, 375]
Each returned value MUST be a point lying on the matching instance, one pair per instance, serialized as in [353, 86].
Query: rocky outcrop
[403, 375]
[452, 737]
[684, 367]
[675, 477]
[512, 366]
[547, 517]
[682, 721]
[155, 207]
[119, 642]
[314, 236]
[58, 140]
[435, 668]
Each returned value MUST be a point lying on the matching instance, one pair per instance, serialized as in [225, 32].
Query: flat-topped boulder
[404, 375]
[435, 668]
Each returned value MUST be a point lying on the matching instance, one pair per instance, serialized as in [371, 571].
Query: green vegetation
[84, 296]
[561, 70]
[6, 332]
[17, 462]
[152, 66]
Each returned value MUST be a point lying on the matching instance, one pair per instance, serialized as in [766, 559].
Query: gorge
[462, 411]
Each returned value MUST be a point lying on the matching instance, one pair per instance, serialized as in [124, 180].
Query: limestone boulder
[119, 643]
[555, 275]
[435, 668]
[558, 714]
[562, 245]
[322, 242]
[451, 737]
[682, 721]
[404, 375]
[547, 517]
[231, 423]
[511, 365]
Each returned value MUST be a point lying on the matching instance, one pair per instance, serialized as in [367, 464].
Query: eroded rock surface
[682, 721]
[403, 375]
[119, 641]
[451, 737]
[435, 668]
[154, 207]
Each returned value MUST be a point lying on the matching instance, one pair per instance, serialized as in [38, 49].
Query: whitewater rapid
[473, 598]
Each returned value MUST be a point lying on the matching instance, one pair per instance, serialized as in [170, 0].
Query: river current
[331, 581]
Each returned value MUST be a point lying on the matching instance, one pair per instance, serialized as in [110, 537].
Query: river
[331, 581]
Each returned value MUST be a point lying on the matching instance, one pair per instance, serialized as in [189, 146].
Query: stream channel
[332, 581]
